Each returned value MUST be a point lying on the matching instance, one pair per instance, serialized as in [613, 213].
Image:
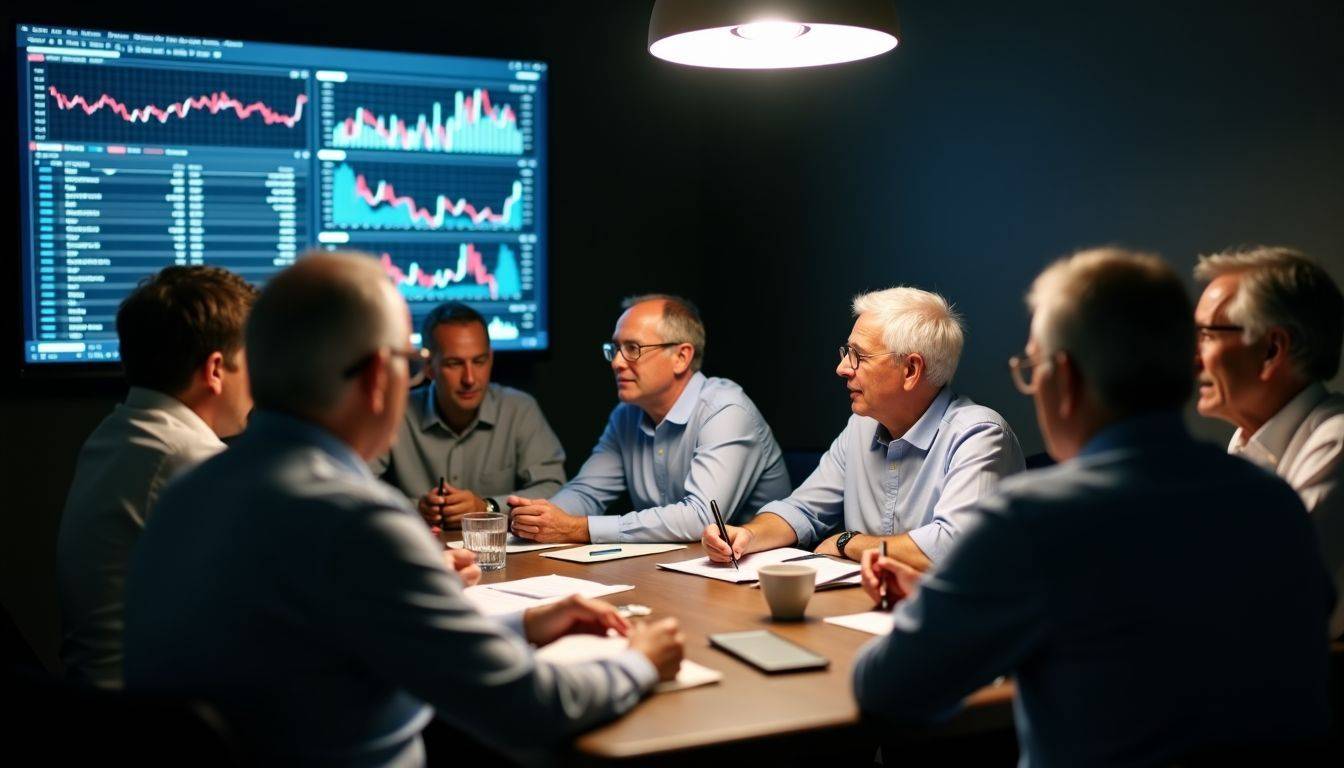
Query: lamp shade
[771, 34]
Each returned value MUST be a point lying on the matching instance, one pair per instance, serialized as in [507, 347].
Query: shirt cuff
[513, 622]
[638, 667]
[604, 529]
[802, 527]
[926, 538]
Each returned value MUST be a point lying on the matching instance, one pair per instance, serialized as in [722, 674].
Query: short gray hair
[1281, 287]
[312, 321]
[914, 320]
[680, 322]
[1126, 320]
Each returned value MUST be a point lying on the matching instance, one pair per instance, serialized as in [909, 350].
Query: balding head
[312, 322]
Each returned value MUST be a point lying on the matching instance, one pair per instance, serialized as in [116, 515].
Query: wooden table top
[747, 703]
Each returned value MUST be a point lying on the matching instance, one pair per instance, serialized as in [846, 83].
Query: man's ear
[1069, 382]
[373, 382]
[682, 361]
[211, 372]
[1278, 346]
[912, 371]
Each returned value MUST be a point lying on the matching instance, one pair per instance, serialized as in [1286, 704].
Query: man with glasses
[1151, 596]
[467, 444]
[913, 456]
[677, 442]
[1270, 325]
[284, 583]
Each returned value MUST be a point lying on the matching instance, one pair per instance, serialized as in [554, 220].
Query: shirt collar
[1144, 429]
[921, 433]
[271, 425]
[1270, 441]
[144, 399]
[488, 414]
[685, 405]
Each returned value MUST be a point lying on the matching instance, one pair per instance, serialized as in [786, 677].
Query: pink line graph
[470, 262]
[386, 194]
[214, 103]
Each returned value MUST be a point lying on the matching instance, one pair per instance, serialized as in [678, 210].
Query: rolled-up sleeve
[984, 454]
[975, 617]
[819, 503]
[725, 466]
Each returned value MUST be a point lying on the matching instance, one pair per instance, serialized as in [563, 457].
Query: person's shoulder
[719, 393]
[514, 398]
[963, 413]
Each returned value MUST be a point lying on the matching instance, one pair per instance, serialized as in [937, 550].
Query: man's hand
[828, 547]
[542, 521]
[573, 615]
[445, 510]
[662, 643]
[900, 580]
[463, 563]
[718, 549]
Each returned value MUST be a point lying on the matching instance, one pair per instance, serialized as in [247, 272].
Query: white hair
[916, 321]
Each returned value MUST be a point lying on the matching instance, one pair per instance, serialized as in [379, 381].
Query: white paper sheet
[585, 554]
[556, 586]
[576, 649]
[493, 603]
[827, 569]
[513, 545]
[872, 622]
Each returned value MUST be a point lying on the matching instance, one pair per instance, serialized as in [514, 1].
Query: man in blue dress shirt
[677, 441]
[1151, 595]
[913, 457]
[308, 600]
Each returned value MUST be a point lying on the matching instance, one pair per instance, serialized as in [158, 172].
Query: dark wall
[997, 137]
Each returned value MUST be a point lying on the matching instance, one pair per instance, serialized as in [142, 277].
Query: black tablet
[767, 651]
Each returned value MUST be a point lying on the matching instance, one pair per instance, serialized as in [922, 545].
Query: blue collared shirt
[712, 445]
[920, 483]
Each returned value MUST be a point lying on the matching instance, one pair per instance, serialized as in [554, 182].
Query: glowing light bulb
[771, 31]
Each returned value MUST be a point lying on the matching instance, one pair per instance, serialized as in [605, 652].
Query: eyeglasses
[417, 363]
[630, 350]
[1024, 371]
[854, 357]
[1205, 332]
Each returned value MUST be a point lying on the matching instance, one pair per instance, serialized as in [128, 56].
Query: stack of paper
[576, 649]
[872, 622]
[828, 569]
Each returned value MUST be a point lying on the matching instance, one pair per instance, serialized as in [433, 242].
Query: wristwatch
[844, 540]
[491, 505]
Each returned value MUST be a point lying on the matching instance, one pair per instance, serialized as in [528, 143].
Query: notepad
[556, 586]
[872, 622]
[577, 649]
[828, 570]
[513, 545]
[586, 554]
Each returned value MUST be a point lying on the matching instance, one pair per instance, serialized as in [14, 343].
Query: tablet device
[767, 651]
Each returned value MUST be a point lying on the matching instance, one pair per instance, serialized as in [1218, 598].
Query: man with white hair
[677, 442]
[913, 456]
[308, 601]
[1153, 597]
[1270, 324]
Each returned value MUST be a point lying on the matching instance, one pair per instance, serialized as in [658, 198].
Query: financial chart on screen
[141, 151]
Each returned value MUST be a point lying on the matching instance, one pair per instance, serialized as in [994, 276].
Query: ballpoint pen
[882, 583]
[596, 552]
[723, 531]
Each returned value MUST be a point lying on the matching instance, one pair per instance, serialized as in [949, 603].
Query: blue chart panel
[456, 271]
[399, 196]
[132, 105]
[465, 120]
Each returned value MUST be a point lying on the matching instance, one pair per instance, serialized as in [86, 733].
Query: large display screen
[139, 151]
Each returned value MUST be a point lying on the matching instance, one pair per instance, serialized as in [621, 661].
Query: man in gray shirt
[284, 583]
[181, 341]
[466, 444]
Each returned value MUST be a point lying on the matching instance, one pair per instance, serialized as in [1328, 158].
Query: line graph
[465, 279]
[126, 105]
[476, 125]
[451, 198]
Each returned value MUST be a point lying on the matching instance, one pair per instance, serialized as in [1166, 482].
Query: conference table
[777, 714]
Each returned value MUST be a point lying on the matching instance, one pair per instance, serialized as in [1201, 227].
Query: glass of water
[483, 533]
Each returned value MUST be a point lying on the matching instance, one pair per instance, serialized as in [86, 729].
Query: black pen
[882, 583]
[723, 531]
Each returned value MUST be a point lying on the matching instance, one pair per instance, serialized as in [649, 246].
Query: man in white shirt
[1270, 325]
[181, 342]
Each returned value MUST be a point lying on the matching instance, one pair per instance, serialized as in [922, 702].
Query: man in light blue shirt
[282, 582]
[913, 457]
[1152, 596]
[677, 441]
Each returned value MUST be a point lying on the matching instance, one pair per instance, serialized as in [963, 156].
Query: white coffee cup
[787, 589]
